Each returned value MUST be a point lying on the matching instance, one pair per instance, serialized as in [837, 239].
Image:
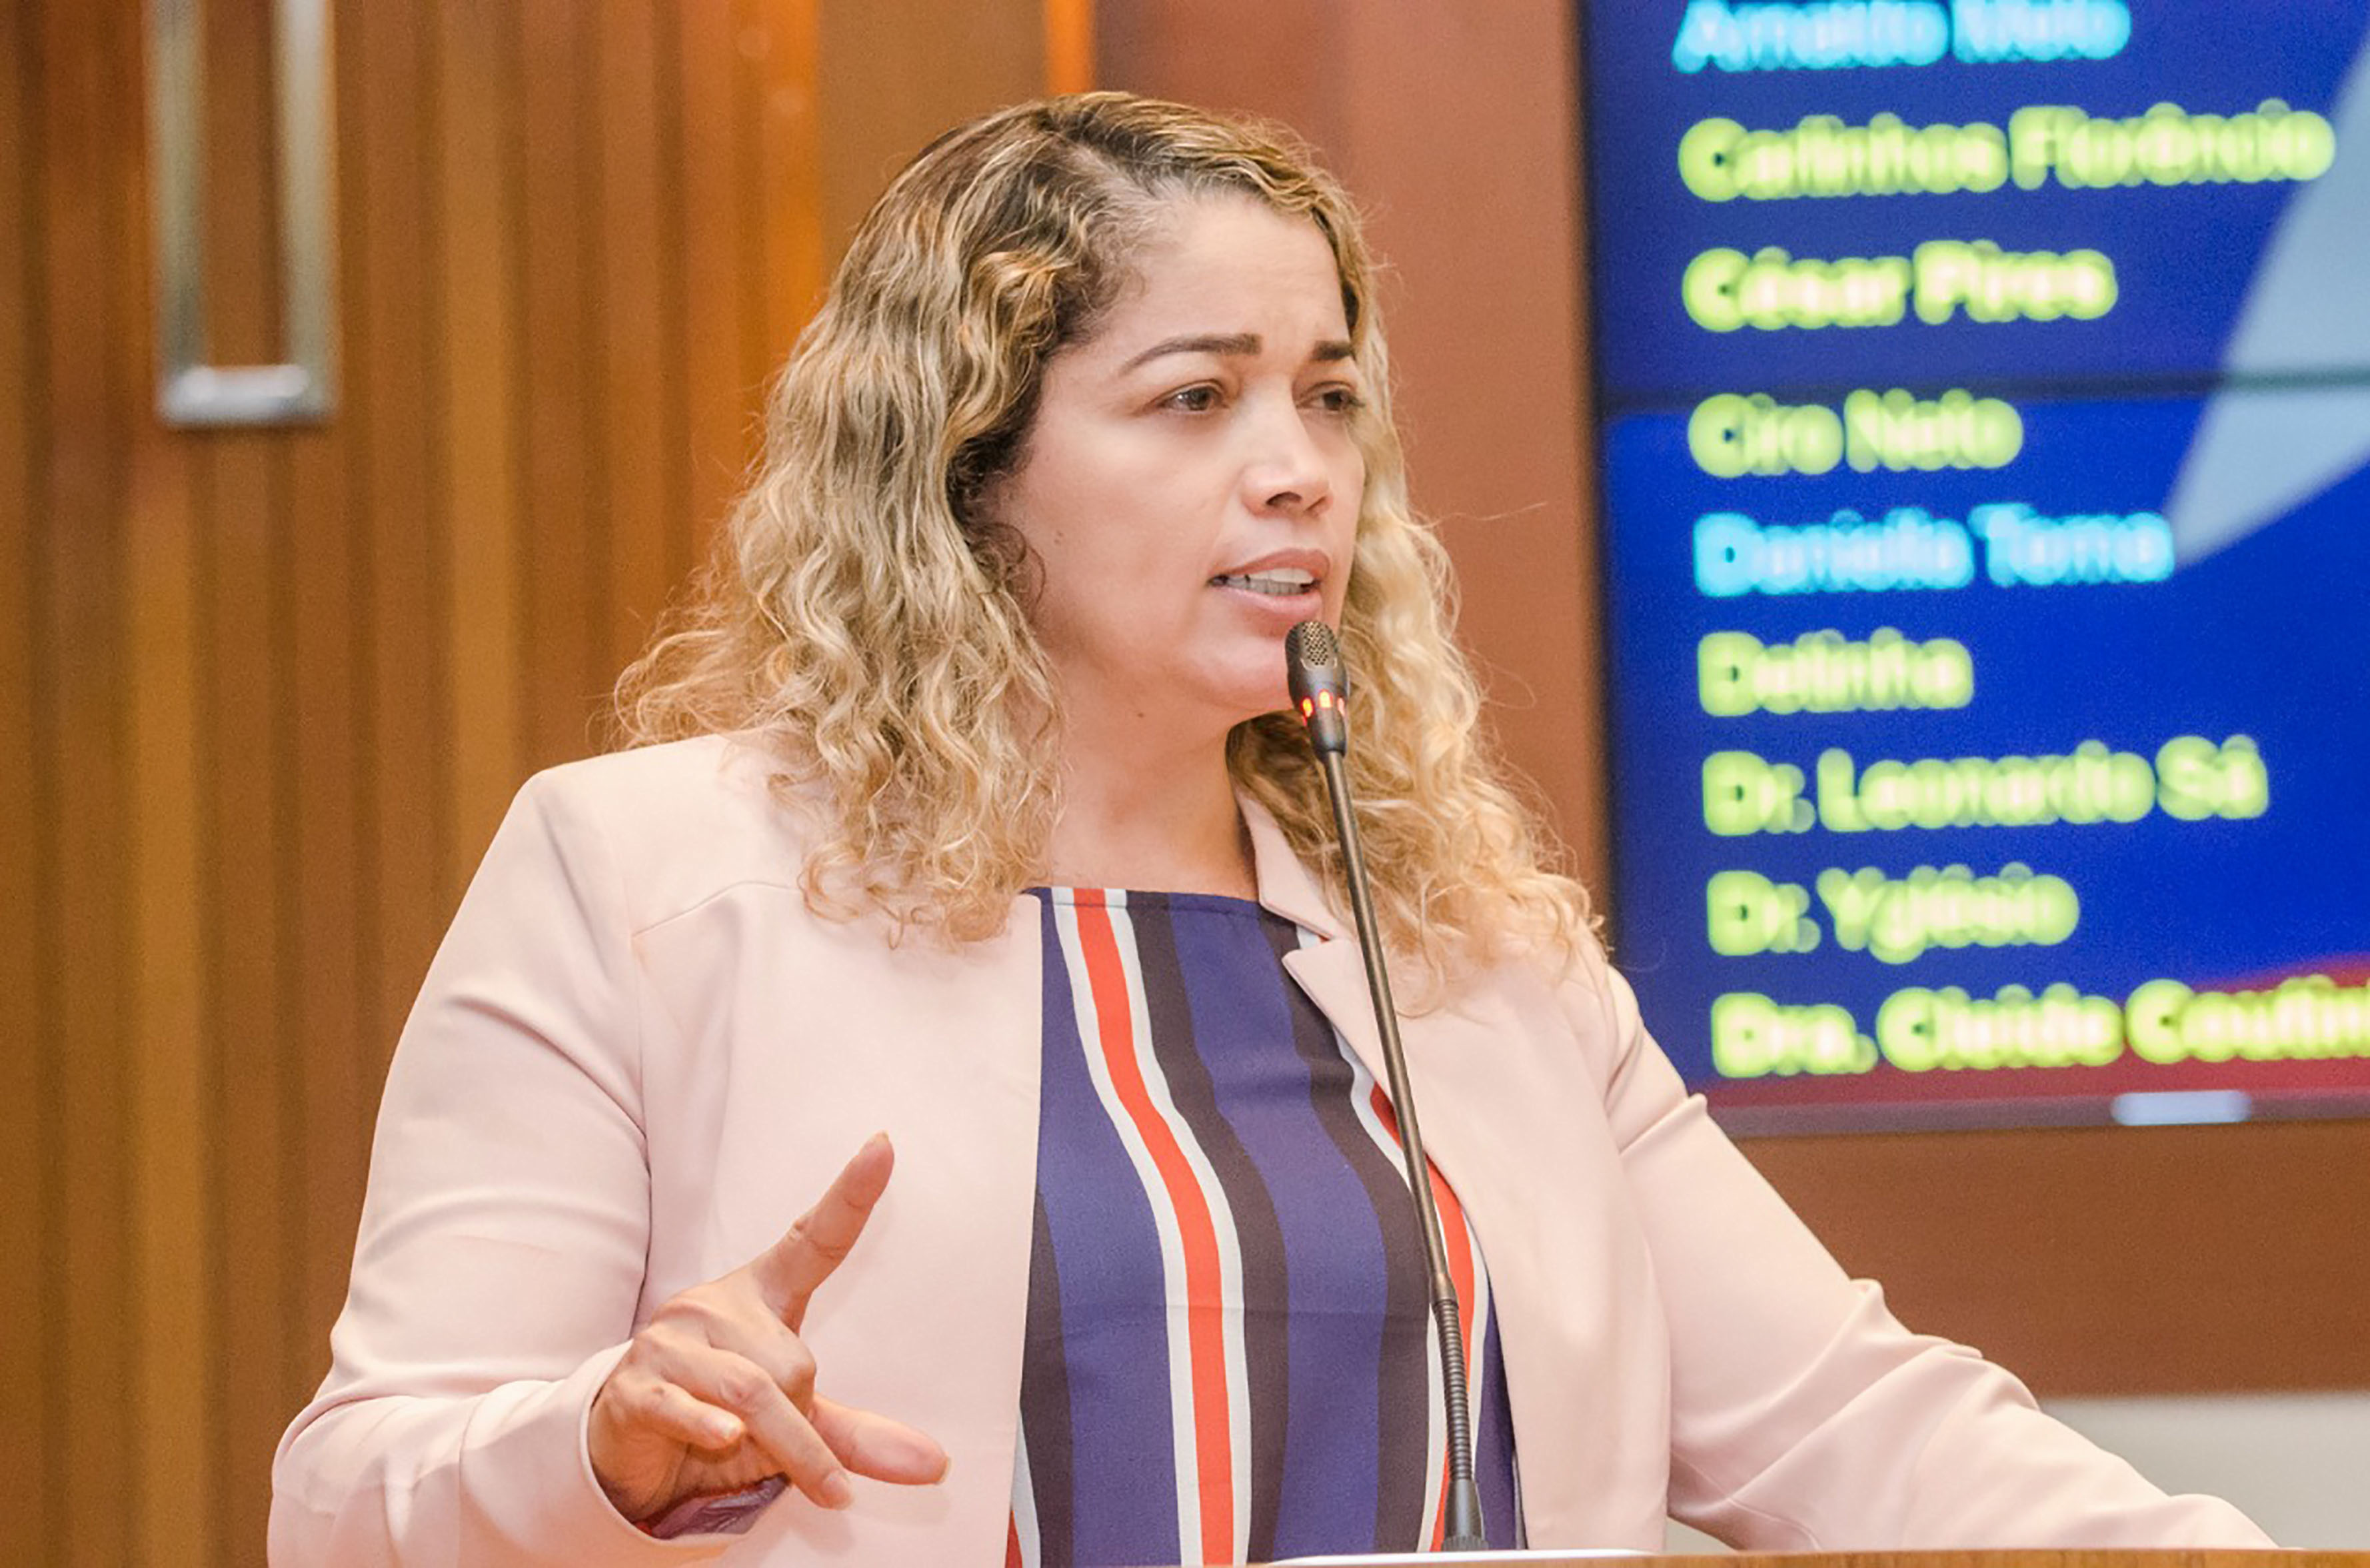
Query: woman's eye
[1339, 399]
[1194, 399]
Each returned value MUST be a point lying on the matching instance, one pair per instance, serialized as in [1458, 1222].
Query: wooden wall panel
[641, 359]
[82, 68]
[719, 294]
[791, 115]
[240, 525]
[478, 138]
[27, 1291]
[2110, 1260]
[1069, 46]
[272, 688]
[325, 835]
[892, 74]
[562, 523]
[385, 93]
[174, 1202]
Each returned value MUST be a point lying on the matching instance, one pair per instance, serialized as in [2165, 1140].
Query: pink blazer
[638, 1055]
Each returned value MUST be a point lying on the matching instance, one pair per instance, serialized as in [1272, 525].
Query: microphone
[1320, 691]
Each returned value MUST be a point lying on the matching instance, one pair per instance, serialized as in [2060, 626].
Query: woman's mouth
[1283, 582]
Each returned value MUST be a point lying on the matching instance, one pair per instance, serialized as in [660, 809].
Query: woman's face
[1190, 486]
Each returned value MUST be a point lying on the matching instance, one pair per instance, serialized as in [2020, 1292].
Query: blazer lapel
[1506, 1114]
[1333, 973]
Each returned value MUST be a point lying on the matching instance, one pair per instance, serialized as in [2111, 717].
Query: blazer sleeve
[500, 1263]
[1804, 1416]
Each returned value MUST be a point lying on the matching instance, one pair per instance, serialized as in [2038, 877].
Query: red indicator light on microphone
[1319, 685]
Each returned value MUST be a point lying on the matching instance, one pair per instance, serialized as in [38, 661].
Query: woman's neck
[1150, 820]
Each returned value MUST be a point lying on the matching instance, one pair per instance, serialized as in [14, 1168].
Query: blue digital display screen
[1984, 405]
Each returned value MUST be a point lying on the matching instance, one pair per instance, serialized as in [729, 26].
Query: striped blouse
[1230, 1356]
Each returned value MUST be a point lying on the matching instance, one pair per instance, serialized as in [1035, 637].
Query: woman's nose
[1287, 469]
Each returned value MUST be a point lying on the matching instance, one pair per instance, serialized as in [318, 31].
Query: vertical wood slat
[722, 382]
[176, 1272]
[27, 1291]
[333, 957]
[477, 182]
[239, 559]
[403, 686]
[788, 171]
[85, 69]
[640, 364]
[1069, 46]
[175, 1277]
[881, 96]
[559, 514]
[751, 33]
[675, 534]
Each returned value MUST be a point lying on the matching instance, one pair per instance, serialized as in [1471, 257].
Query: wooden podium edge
[2054, 1558]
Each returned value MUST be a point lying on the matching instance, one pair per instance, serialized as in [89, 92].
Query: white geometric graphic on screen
[2258, 455]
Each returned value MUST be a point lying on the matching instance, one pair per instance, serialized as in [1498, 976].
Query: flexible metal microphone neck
[1320, 692]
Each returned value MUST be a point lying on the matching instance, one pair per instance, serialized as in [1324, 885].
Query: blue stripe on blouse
[1229, 1352]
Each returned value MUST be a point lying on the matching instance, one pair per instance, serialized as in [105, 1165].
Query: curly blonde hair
[865, 615]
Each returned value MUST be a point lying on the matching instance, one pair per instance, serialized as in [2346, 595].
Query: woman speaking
[919, 1104]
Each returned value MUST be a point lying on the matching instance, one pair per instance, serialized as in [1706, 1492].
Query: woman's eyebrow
[1222, 343]
[1327, 352]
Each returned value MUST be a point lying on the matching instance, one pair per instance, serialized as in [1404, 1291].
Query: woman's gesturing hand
[717, 1391]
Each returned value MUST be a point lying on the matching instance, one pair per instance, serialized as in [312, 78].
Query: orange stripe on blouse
[1457, 1243]
[1213, 1440]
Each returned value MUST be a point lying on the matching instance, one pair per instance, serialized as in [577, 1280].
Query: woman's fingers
[782, 1355]
[677, 1412]
[734, 1384]
[721, 1364]
[788, 1272]
[876, 1447]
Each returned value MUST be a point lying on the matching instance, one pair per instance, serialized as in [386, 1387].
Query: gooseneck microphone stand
[1320, 689]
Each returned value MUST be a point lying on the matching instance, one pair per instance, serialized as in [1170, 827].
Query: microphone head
[1320, 684]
